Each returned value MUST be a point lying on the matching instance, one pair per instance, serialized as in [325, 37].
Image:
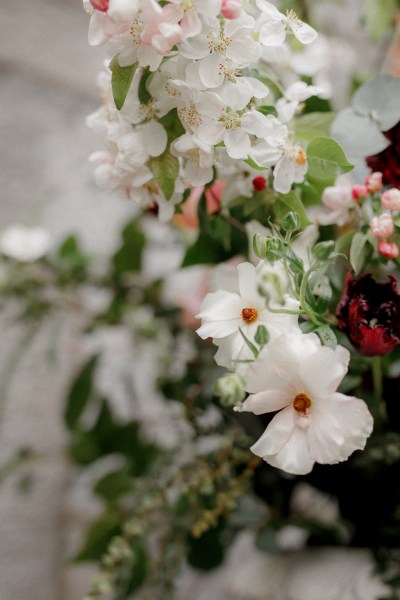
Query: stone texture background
[47, 87]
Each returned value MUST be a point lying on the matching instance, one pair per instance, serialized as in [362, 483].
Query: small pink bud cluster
[359, 192]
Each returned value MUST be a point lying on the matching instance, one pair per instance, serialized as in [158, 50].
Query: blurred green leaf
[113, 485]
[79, 393]
[99, 536]
[326, 159]
[206, 552]
[128, 258]
[165, 169]
[291, 202]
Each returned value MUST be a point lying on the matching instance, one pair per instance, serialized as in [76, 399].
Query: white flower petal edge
[316, 423]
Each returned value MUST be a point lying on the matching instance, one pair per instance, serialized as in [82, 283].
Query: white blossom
[25, 244]
[298, 377]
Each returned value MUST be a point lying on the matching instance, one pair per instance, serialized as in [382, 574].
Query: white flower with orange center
[297, 376]
[225, 314]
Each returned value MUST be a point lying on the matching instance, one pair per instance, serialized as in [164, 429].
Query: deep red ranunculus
[388, 161]
[369, 313]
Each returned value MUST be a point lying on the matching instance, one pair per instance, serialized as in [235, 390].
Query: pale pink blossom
[298, 377]
[382, 226]
[391, 199]
[231, 9]
[374, 182]
[339, 204]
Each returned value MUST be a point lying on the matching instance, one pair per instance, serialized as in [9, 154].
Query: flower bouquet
[275, 334]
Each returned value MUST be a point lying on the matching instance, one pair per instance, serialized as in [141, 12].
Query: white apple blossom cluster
[292, 373]
[192, 86]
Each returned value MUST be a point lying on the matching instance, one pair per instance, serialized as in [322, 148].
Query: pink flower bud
[231, 9]
[374, 182]
[391, 199]
[101, 5]
[358, 192]
[388, 249]
[382, 226]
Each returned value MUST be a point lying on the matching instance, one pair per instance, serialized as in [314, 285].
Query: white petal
[209, 70]
[284, 175]
[304, 33]
[237, 143]
[324, 371]
[294, 457]
[268, 401]
[276, 435]
[256, 123]
[243, 49]
[148, 57]
[195, 48]
[248, 285]
[210, 132]
[272, 33]
[220, 313]
[338, 428]
[154, 138]
[269, 9]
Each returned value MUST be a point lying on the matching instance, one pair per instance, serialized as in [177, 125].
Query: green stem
[377, 379]
[303, 289]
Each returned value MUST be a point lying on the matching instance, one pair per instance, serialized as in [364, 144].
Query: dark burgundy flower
[388, 161]
[369, 313]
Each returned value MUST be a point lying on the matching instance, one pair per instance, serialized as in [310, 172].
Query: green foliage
[312, 125]
[99, 536]
[206, 552]
[121, 80]
[113, 485]
[143, 93]
[80, 392]
[360, 249]
[128, 257]
[326, 159]
[291, 202]
[165, 169]
[72, 261]
[172, 125]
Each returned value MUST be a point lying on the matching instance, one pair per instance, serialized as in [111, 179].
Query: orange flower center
[249, 315]
[301, 156]
[302, 403]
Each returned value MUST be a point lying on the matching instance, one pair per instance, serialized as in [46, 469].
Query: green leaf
[291, 202]
[359, 251]
[249, 344]
[326, 159]
[121, 80]
[249, 161]
[165, 169]
[79, 393]
[206, 552]
[379, 99]
[98, 537]
[143, 93]
[128, 257]
[172, 125]
[326, 335]
[268, 110]
[113, 485]
[266, 540]
[312, 125]
[209, 250]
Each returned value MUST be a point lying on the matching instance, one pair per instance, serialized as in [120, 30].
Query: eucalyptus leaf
[312, 125]
[359, 135]
[379, 99]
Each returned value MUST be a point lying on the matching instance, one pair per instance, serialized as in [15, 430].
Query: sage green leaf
[326, 159]
[359, 135]
[286, 203]
[359, 250]
[165, 169]
[121, 80]
[252, 163]
[379, 99]
[80, 393]
[326, 335]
